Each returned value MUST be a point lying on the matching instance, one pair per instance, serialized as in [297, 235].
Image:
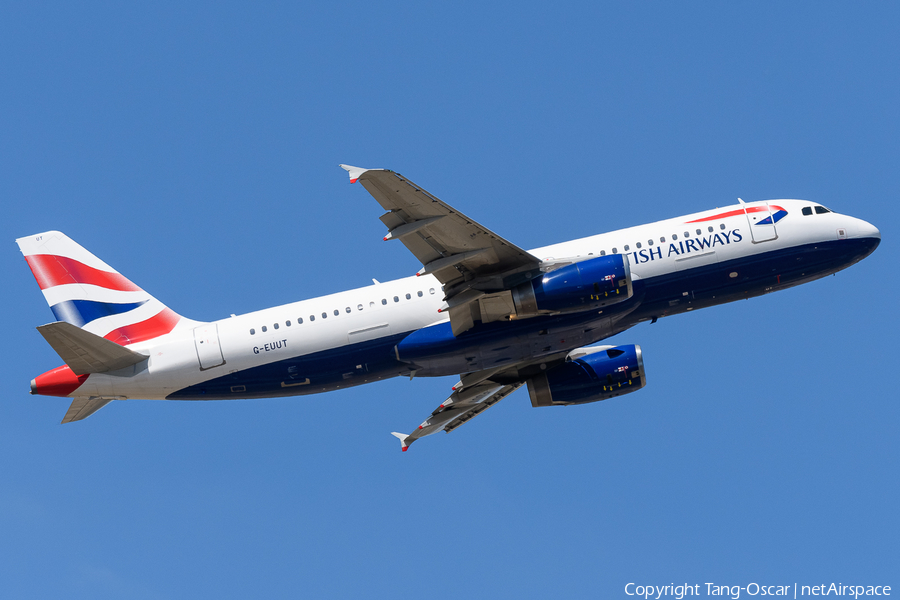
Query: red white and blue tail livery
[498, 316]
[83, 290]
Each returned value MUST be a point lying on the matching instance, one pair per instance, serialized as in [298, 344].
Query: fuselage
[395, 328]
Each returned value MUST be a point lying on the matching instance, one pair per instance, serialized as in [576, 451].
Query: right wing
[476, 266]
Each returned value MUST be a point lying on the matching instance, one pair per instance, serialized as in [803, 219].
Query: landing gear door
[761, 221]
[209, 352]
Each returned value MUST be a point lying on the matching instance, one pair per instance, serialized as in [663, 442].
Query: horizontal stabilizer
[85, 352]
[82, 408]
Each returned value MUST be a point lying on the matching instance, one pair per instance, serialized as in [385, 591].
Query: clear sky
[195, 149]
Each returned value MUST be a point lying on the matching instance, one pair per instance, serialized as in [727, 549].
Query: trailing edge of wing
[85, 352]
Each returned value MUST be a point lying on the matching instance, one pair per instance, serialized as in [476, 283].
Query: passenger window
[674, 236]
[347, 310]
[264, 329]
[626, 247]
[603, 253]
[275, 325]
[371, 305]
[336, 312]
[408, 296]
[288, 322]
[638, 245]
[687, 234]
[615, 250]
[384, 301]
[359, 307]
[662, 240]
[807, 210]
[721, 225]
[252, 332]
[396, 299]
[312, 317]
[299, 320]
[649, 242]
[324, 315]
[419, 293]
[699, 232]
[710, 229]
[431, 291]
[821, 210]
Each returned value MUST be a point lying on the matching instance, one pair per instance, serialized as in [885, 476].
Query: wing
[475, 393]
[457, 409]
[476, 266]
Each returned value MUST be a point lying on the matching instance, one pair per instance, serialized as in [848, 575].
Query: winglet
[355, 172]
[402, 437]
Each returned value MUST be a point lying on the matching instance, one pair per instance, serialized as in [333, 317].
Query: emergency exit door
[209, 352]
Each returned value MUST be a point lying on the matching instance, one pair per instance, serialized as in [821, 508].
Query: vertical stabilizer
[86, 292]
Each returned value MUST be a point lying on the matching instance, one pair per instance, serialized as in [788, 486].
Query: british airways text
[687, 246]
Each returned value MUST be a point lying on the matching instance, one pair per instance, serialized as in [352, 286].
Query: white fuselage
[380, 311]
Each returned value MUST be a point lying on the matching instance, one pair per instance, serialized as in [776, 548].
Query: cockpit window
[807, 210]
[821, 210]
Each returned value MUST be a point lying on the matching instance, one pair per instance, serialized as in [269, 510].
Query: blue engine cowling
[603, 374]
[581, 286]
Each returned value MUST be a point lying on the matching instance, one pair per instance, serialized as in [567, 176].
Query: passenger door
[761, 222]
[209, 351]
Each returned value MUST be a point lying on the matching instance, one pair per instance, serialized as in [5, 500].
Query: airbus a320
[481, 307]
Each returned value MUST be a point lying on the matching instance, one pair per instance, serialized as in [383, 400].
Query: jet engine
[589, 375]
[581, 286]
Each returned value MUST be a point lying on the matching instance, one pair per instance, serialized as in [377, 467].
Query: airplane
[482, 308]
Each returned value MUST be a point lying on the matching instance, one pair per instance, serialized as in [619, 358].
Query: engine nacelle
[595, 374]
[581, 286]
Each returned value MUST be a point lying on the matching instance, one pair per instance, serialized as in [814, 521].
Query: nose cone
[866, 237]
[867, 230]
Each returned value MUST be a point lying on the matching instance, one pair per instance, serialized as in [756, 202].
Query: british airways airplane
[482, 308]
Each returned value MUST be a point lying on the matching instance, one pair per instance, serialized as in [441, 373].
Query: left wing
[476, 392]
[458, 408]
[476, 266]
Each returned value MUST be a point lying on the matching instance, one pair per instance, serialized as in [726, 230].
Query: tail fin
[83, 290]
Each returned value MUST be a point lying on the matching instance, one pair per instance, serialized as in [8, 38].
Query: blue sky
[195, 149]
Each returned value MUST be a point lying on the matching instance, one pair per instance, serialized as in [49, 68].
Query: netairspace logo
[678, 592]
